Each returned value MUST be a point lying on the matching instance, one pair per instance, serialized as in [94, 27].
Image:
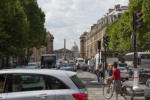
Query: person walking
[117, 79]
[98, 72]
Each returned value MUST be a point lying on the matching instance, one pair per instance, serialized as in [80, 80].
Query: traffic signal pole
[105, 43]
[105, 62]
[136, 75]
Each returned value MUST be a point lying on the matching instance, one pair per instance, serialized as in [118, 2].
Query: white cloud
[70, 18]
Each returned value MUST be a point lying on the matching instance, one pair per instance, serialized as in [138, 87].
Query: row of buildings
[89, 40]
[60, 53]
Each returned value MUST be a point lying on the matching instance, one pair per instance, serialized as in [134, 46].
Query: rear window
[122, 65]
[122, 68]
[81, 60]
[77, 82]
[145, 56]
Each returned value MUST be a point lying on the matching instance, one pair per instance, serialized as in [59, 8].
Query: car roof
[39, 71]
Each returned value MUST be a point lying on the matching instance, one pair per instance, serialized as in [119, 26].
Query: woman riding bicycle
[117, 79]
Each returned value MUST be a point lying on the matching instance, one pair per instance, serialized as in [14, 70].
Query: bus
[143, 59]
[48, 61]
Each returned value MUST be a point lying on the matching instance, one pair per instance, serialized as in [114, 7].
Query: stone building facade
[89, 40]
[44, 50]
[63, 53]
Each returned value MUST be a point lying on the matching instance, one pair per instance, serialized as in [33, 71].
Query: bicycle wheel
[127, 91]
[108, 90]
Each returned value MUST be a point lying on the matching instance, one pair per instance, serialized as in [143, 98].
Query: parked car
[41, 84]
[84, 67]
[20, 67]
[122, 65]
[147, 90]
[124, 73]
[68, 67]
[130, 70]
[79, 63]
[32, 65]
[144, 75]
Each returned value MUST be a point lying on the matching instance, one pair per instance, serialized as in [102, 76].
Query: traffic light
[105, 41]
[137, 20]
[99, 44]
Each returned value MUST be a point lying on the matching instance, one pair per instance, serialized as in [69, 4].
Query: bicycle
[108, 90]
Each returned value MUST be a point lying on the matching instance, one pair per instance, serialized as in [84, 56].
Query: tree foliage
[21, 27]
[121, 30]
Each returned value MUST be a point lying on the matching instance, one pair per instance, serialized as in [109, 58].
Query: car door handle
[42, 96]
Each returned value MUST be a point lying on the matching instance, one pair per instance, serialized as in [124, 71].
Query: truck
[48, 61]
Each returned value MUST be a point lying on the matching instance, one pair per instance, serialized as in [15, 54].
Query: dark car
[130, 70]
[85, 67]
[147, 90]
[144, 75]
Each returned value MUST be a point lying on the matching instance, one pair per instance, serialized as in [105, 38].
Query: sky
[70, 18]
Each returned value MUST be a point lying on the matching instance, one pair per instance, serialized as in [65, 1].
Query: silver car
[40, 84]
[124, 73]
[147, 90]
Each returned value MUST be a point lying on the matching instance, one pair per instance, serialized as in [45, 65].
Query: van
[80, 62]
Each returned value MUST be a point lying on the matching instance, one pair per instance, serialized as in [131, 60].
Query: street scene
[75, 50]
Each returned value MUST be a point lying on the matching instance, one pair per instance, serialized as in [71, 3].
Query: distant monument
[75, 50]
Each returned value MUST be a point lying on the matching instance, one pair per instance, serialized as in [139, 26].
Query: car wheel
[147, 98]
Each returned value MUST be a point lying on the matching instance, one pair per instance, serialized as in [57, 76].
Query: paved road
[94, 88]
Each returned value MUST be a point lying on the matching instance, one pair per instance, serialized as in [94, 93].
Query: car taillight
[127, 72]
[80, 96]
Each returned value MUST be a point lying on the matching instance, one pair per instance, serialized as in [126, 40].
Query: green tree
[121, 30]
[13, 29]
[37, 31]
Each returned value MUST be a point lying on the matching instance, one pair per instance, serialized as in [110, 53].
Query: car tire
[147, 98]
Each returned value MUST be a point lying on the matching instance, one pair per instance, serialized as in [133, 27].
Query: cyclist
[110, 70]
[117, 79]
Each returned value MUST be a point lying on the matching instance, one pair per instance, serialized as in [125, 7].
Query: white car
[124, 73]
[32, 65]
[40, 84]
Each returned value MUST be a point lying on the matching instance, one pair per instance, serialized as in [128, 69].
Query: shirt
[116, 74]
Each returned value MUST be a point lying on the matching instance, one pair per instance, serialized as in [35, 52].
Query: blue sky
[70, 18]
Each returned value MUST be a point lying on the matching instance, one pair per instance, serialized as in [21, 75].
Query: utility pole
[99, 49]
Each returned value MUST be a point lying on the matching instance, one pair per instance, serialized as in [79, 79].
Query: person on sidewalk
[98, 72]
[110, 70]
[117, 79]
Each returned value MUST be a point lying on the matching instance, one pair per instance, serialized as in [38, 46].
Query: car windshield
[81, 60]
[123, 65]
[71, 65]
[65, 65]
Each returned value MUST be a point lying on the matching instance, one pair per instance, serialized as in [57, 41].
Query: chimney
[117, 6]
